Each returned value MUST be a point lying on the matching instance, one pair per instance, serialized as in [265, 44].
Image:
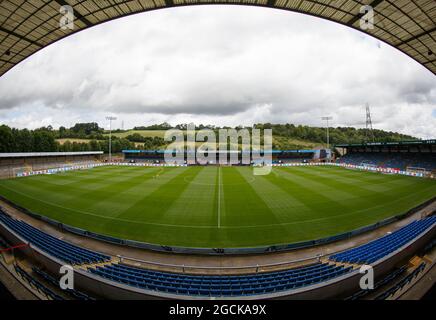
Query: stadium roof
[48, 154]
[26, 26]
[393, 143]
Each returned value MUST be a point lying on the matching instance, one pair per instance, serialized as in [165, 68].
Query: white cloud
[224, 65]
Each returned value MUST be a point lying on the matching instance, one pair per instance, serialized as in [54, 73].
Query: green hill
[89, 136]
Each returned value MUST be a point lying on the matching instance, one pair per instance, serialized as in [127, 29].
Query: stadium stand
[396, 161]
[389, 278]
[400, 155]
[402, 283]
[377, 249]
[3, 244]
[392, 160]
[278, 156]
[214, 285]
[57, 248]
[13, 163]
[218, 286]
[72, 292]
[36, 284]
[429, 247]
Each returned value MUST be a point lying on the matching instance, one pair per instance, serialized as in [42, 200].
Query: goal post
[417, 170]
[369, 165]
[20, 171]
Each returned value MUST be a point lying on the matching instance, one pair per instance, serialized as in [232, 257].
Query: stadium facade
[231, 156]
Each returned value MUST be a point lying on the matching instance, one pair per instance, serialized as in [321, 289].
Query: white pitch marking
[219, 197]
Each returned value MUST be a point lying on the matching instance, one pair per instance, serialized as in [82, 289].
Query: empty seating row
[392, 160]
[402, 283]
[218, 286]
[389, 278]
[36, 284]
[60, 249]
[377, 249]
[72, 292]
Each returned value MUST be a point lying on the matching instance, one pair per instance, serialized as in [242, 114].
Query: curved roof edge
[28, 26]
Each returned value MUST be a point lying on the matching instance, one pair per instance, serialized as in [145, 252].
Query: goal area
[368, 165]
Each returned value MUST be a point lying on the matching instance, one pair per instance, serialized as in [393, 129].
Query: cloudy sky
[224, 66]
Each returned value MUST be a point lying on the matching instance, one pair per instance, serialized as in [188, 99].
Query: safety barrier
[145, 164]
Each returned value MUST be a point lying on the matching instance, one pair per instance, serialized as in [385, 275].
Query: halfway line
[219, 197]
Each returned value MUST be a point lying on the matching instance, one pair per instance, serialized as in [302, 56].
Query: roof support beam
[417, 36]
[373, 4]
[5, 61]
[77, 14]
[19, 36]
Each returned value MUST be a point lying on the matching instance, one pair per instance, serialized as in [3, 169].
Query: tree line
[45, 139]
[337, 135]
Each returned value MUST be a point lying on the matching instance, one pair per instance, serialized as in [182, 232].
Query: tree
[6, 139]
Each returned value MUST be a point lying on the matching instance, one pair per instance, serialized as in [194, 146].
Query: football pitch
[218, 207]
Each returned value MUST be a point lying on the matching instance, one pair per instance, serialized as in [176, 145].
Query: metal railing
[184, 268]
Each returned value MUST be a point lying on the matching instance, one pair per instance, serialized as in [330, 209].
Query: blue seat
[218, 286]
[379, 248]
[58, 248]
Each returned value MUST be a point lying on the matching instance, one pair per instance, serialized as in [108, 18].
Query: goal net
[369, 165]
[417, 170]
[21, 171]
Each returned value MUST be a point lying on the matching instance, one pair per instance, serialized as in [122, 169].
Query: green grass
[218, 207]
[62, 141]
[144, 133]
[282, 143]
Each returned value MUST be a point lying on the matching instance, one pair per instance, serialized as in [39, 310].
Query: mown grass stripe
[173, 208]
[312, 195]
[195, 204]
[354, 186]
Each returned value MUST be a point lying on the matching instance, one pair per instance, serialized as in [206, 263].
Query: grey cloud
[220, 65]
[224, 109]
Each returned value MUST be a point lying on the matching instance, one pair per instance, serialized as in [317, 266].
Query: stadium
[132, 225]
[318, 219]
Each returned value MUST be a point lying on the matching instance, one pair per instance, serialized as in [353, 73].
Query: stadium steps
[85, 266]
[402, 286]
[416, 261]
[344, 264]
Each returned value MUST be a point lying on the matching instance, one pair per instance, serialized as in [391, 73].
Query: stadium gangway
[256, 267]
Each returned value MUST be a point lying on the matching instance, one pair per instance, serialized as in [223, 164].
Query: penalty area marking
[206, 226]
[186, 179]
